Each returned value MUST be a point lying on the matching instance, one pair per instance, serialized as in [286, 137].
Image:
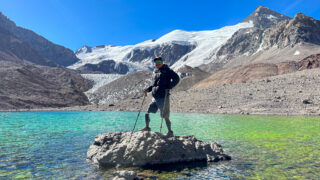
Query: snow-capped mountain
[178, 48]
[259, 32]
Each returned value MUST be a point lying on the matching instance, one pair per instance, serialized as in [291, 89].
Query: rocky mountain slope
[132, 85]
[29, 79]
[56, 53]
[27, 86]
[251, 72]
[264, 17]
[129, 86]
[287, 94]
[104, 67]
[189, 77]
[288, 40]
[13, 49]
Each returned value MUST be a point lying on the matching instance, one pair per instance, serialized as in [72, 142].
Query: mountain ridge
[197, 48]
[54, 52]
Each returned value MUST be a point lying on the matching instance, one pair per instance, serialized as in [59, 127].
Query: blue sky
[74, 23]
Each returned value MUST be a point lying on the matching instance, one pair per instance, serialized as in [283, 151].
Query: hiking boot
[170, 134]
[145, 129]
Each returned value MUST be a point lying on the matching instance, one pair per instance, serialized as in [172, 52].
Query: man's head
[158, 62]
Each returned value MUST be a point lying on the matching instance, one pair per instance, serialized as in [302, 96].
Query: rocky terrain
[190, 76]
[104, 67]
[269, 89]
[250, 72]
[13, 49]
[171, 52]
[283, 89]
[288, 40]
[287, 94]
[264, 17]
[260, 89]
[127, 86]
[30, 74]
[27, 86]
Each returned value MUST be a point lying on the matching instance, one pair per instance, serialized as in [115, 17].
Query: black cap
[158, 59]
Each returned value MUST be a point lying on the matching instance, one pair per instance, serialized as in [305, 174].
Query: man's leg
[168, 123]
[152, 109]
[170, 132]
[147, 120]
[165, 114]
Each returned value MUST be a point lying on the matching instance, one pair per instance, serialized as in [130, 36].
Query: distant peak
[264, 17]
[300, 16]
[262, 8]
[84, 49]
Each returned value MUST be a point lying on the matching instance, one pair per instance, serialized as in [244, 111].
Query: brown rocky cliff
[288, 33]
[251, 72]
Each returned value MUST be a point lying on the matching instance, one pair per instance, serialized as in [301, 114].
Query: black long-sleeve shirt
[163, 78]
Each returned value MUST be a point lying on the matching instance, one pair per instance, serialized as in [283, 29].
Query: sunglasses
[157, 61]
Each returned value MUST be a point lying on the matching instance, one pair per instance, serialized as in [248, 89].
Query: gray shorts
[158, 103]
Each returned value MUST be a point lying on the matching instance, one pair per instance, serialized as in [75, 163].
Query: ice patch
[296, 53]
[271, 17]
[100, 80]
[246, 54]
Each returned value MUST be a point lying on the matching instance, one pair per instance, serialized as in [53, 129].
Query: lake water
[53, 145]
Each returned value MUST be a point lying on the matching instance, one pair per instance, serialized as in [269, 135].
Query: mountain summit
[264, 17]
[54, 52]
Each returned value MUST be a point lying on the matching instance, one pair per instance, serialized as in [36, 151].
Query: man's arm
[175, 79]
[149, 89]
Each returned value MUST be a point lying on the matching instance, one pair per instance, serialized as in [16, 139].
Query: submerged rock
[124, 175]
[150, 148]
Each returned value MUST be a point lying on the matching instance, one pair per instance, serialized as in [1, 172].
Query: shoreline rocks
[150, 148]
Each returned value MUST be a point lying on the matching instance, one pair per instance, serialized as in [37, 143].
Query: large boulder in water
[150, 148]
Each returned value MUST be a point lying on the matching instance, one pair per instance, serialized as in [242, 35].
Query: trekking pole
[144, 97]
[163, 108]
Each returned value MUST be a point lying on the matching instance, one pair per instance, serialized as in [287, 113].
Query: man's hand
[145, 92]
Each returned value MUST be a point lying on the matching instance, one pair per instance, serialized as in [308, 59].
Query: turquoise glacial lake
[53, 145]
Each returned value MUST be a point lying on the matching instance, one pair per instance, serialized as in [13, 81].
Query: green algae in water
[46, 145]
[274, 147]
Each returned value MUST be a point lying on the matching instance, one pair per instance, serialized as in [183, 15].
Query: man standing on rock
[164, 79]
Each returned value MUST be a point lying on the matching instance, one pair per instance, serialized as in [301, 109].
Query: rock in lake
[124, 175]
[150, 148]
